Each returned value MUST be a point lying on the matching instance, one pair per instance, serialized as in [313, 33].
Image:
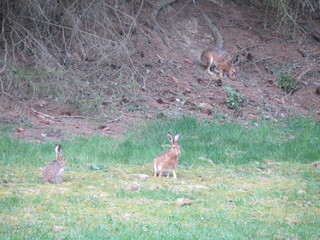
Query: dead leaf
[106, 129]
[219, 82]
[67, 113]
[20, 129]
[208, 112]
[183, 201]
[204, 106]
[140, 176]
[161, 59]
[40, 116]
[199, 80]
[124, 100]
[176, 81]
[187, 90]
[134, 187]
[43, 121]
[269, 162]
[186, 60]
[281, 101]
[127, 216]
[41, 103]
[249, 57]
[162, 101]
[316, 164]
[195, 187]
[58, 228]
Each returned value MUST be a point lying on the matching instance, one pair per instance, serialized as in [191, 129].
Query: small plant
[235, 99]
[284, 79]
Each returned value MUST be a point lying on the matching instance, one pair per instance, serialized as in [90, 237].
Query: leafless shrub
[290, 13]
[74, 51]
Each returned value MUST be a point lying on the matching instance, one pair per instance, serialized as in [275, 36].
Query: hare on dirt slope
[53, 172]
[168, 159]
[221, 60]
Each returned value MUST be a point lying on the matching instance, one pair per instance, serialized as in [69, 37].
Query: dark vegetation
[89, 54]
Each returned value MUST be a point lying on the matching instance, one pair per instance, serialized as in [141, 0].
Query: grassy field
[253, 182]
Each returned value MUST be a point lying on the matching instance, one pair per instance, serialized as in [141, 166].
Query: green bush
[235, 99]
[284, 79]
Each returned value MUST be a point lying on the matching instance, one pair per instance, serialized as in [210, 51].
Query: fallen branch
[6, 93]
[5, 45]
[263, 59]
[252, 46]
[92, 118]
[304, 73]
[42, 115]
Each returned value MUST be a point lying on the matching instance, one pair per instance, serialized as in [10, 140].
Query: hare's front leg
[221, 73]
[155, 170]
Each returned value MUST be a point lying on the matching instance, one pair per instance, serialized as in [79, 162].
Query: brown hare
[168, 159]
[53, 172]
[221, 60]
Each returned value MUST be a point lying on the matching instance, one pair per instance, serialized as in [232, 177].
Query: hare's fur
[168, 159]
[221, 60]
[53, 172]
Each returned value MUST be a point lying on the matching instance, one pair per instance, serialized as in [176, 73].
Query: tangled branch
[290, 12]
[70, 50]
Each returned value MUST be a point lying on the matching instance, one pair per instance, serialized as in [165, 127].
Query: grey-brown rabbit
[168, 159]
[53, 172]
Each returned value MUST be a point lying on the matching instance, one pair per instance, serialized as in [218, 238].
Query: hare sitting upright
[53, 172]
[168, 159]
[221, 60]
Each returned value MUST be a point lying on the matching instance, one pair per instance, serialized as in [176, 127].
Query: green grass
[237, 196]
[296, 140]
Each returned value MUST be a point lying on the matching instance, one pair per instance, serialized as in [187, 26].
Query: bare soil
[175, 81]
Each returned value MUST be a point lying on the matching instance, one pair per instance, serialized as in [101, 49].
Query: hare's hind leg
[57, 180]
[160, 174]
[174, 173]
[209, 63]
[155, 169]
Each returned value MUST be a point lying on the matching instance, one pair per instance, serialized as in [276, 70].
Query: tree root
[156, 27]
[215, 32]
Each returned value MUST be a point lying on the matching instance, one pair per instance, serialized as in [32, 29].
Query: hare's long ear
[176, 138]
[58, 149]
[170, 137]
[236, 61]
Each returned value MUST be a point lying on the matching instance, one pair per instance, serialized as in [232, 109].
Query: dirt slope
[175, 81]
